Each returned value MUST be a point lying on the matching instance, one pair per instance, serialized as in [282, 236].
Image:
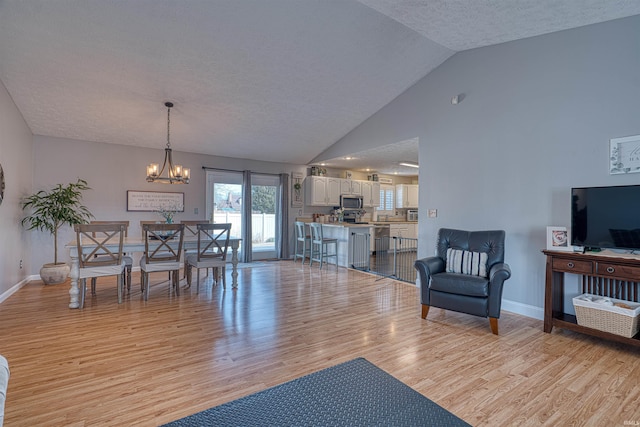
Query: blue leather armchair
[465, 293]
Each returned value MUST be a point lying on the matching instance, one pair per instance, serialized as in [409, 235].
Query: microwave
[351, 202]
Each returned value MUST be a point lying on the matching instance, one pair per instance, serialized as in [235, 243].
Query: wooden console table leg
[548, 296]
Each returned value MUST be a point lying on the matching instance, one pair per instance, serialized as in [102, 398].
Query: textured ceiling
[275, 80]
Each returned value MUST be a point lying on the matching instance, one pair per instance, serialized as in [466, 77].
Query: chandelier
[175, 174]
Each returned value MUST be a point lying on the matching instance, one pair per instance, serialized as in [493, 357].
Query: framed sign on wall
[624, 155]
[152, 201]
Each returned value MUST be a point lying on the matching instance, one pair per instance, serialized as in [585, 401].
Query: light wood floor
[149, 363]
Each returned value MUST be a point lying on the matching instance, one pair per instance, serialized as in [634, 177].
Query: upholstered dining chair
[109, 262]
[159, 255]
[128, 259]
[302, 243]
[213, 242]
[466, 275]
[191, 230]
[320, 246]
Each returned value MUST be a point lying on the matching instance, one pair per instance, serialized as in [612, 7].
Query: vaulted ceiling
[274, 80]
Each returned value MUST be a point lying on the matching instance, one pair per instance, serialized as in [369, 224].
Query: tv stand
[607, 275]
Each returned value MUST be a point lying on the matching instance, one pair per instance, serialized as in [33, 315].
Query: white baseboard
[523, 309]
[15, 288]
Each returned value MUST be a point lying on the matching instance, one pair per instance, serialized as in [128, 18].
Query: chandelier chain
[168, 126]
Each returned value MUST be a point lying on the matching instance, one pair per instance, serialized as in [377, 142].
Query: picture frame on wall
[297, 190]
[152, 201]
[624, 155]
[558, 239]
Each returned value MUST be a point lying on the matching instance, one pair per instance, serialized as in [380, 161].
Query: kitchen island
[342, 232]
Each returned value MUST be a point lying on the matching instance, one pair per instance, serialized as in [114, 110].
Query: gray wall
[15, 158]
[536, 119]
[111, 170]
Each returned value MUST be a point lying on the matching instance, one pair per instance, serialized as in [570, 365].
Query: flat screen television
[606, 217]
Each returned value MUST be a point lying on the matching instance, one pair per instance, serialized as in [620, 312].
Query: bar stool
[302, 238]
[320, 245]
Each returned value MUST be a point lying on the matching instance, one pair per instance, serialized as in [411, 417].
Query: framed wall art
[624, 155]
[152, 201]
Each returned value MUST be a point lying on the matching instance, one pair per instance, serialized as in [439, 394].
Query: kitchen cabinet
[407, 196]
[370, 194]
[322, 191]
[351, 186]
[333, 191]
[403, 230]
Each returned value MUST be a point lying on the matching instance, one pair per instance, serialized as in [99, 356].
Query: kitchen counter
[346, 224]
[392, 222]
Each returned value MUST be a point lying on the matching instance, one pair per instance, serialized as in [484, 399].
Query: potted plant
[50, 210]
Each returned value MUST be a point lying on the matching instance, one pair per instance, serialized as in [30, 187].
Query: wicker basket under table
[607, 318]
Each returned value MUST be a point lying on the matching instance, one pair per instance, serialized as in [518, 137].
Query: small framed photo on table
[558, 239]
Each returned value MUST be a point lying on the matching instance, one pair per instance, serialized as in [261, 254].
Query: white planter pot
[53, 274]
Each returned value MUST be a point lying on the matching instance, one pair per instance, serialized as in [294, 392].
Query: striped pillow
[467, 262]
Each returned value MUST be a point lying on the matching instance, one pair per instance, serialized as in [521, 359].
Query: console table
[610, 276]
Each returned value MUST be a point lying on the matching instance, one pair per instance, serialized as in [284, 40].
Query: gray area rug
[354, 393]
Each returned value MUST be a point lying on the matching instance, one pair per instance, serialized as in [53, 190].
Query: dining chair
[109, 262]
[142, 224]
[159, 255]
[213, 242]
[128, 259]
[191, 231]
[320, 246]
[302, 243]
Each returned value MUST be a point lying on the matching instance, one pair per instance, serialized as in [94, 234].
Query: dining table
[137, 244]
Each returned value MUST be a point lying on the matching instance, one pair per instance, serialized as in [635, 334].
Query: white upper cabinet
[407, 196]
[370, 193]
[333, 191]
[322, 191]
[315, 191]
[356, 187]
[351, 186]
[326, 191]
[345, 186]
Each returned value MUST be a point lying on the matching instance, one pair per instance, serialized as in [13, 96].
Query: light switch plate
[432, 213]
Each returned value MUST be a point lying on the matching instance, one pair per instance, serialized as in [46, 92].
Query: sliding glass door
[226, 203]
[264, 215]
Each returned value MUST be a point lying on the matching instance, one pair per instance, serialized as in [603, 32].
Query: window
[387, 200]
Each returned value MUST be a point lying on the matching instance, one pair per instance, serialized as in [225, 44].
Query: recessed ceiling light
[411, 165]
[348, 158]
[323, 164]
